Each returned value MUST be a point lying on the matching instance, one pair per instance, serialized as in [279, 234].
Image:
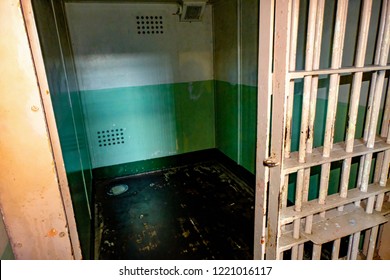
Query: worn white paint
[30, 193]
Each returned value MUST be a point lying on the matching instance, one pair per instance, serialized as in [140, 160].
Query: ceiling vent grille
[192, 10]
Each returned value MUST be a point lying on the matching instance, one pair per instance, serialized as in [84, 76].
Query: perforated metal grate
[150, 25]
[111, 137]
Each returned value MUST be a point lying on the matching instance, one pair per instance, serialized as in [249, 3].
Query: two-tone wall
[146, 80]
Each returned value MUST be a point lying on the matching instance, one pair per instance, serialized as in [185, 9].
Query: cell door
[323, 146]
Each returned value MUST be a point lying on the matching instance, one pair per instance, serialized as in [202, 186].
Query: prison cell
[308, 216]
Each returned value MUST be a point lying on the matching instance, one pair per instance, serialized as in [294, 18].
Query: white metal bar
[319, 20]
[302, 150]
[297, 251]
[386, 113]
[376, 62]
[338, 153]
[385, 131]
[336, 249]
[337, 50]
[373, 85]
[355, 245]
[350, 241]
[316, 252]
[292, 65]
[385, 169]
[377, 96]
[266, 23]
[280, 92]
[357, 78]
[372, 243]
[367, 234]
[288, 215]
[316, 65]
[309, 55]
[355, 94]
[382, 164]
[340, 70]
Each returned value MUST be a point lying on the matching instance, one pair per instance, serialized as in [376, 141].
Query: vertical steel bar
[377, 96]
[292, 66]
[372, 243]
[367, 235]
[355, 94]
[336, 249]
[380, 164]
[316, 252]
[376, 62]
[385, 169]
[350, 241]
[385, 132]
[313, 52]
[374, 77]
[309, 55]
[355, 245]
[337, 50]
[316, 65]
[290, 108]
[266, 23]
[279, 103]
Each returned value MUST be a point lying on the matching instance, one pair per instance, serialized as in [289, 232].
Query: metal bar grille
[300, 226]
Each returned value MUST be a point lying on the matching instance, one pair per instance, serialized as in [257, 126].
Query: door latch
[271, 162]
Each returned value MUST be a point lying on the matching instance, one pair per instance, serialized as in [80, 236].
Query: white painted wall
[109, 52]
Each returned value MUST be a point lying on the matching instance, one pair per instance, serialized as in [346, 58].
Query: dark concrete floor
[198, 211]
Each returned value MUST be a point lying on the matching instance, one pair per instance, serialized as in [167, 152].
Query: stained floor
[198, 211]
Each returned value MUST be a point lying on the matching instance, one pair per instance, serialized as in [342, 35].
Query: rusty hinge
[271, 162]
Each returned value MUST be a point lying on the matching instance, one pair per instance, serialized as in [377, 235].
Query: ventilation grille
[150, 25]
[193, 13]
[192, 10]
[111, 137]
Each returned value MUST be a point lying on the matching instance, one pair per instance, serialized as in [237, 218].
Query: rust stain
[308, 133]
[262, 241]
[62, 234]
[47, 92]
[52, 233]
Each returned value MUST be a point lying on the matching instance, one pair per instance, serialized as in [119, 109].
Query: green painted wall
[248, 127]
[226, 111]
[156, 121]
[5, 245]
[235, 72]
[68, 112]
[228, 131]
